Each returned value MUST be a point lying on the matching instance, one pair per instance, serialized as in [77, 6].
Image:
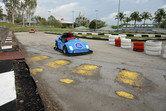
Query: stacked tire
[118, 42]
[138, 46]
[125, 43]
[153, 47]
[112, 39]
[122, 36]
[164, 54]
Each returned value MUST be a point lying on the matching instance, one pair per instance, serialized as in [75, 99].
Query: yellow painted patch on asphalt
[125, 94]
[67, 81]
[131, 78]
[58, 63]
[35, 71]
[85, 69]
[88, 67]
[37, 58]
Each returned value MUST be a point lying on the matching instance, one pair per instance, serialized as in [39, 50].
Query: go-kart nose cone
[78, 45]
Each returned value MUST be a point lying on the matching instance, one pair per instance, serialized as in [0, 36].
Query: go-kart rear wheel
[56, 46]
[65, 50]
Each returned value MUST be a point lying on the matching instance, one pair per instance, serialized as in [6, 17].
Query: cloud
[127, 13]
[164, 6]
[141, 1]
[63, 11]
[110, 20]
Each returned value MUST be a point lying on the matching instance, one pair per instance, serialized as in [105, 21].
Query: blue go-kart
[74, 46]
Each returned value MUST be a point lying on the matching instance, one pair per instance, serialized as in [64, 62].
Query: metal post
[118, 17]
[96, 19]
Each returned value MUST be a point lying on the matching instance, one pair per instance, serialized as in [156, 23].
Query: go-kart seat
[64, 37]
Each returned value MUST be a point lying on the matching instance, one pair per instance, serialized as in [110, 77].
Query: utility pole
[73, 19]
[96, 18]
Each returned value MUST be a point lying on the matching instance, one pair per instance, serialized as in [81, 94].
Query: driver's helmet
[70, 33]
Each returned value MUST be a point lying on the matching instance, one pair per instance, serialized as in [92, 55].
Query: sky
[105, 10]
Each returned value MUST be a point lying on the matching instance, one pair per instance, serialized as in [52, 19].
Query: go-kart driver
[70, 36]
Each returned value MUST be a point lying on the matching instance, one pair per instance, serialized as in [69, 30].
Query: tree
[163, 24]
[11, 6]
[127, 20]
[1, 13]
[37, 19]
[145, 16]
[121, 16]
[32, 4]
[18, 18]
[53, 22]
[43, 21]
[160, 15]
[22, 7]
[136, 17]
[100, 24]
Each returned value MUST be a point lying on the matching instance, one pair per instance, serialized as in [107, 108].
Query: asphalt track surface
[109, 79]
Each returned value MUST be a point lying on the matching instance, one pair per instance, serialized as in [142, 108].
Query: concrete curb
[133, 35]
[7, 79]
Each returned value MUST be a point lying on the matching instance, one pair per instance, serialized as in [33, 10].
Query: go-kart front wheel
[65, 50]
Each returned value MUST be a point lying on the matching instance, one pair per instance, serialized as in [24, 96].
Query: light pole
[118, 17]
[73, 19]
[96, 18]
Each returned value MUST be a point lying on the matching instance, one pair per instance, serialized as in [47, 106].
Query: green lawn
[8, 25]
[51, 29]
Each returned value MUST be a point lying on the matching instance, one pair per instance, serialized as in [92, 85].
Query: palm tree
[160, 14]
[121, 16]
[136, 17]
[145, 16]
[127, 20]
[32, 4]
[11, 6]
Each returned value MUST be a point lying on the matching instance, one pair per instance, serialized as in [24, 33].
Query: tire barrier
[138, 46]
[153, 47]
[118, 42]
[7, 46]
[125, 43]
[112, 39]
[164, 54]
[122, 36]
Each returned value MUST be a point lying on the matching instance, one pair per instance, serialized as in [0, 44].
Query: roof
[66, 22]
[82, 28]
[106, 28]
